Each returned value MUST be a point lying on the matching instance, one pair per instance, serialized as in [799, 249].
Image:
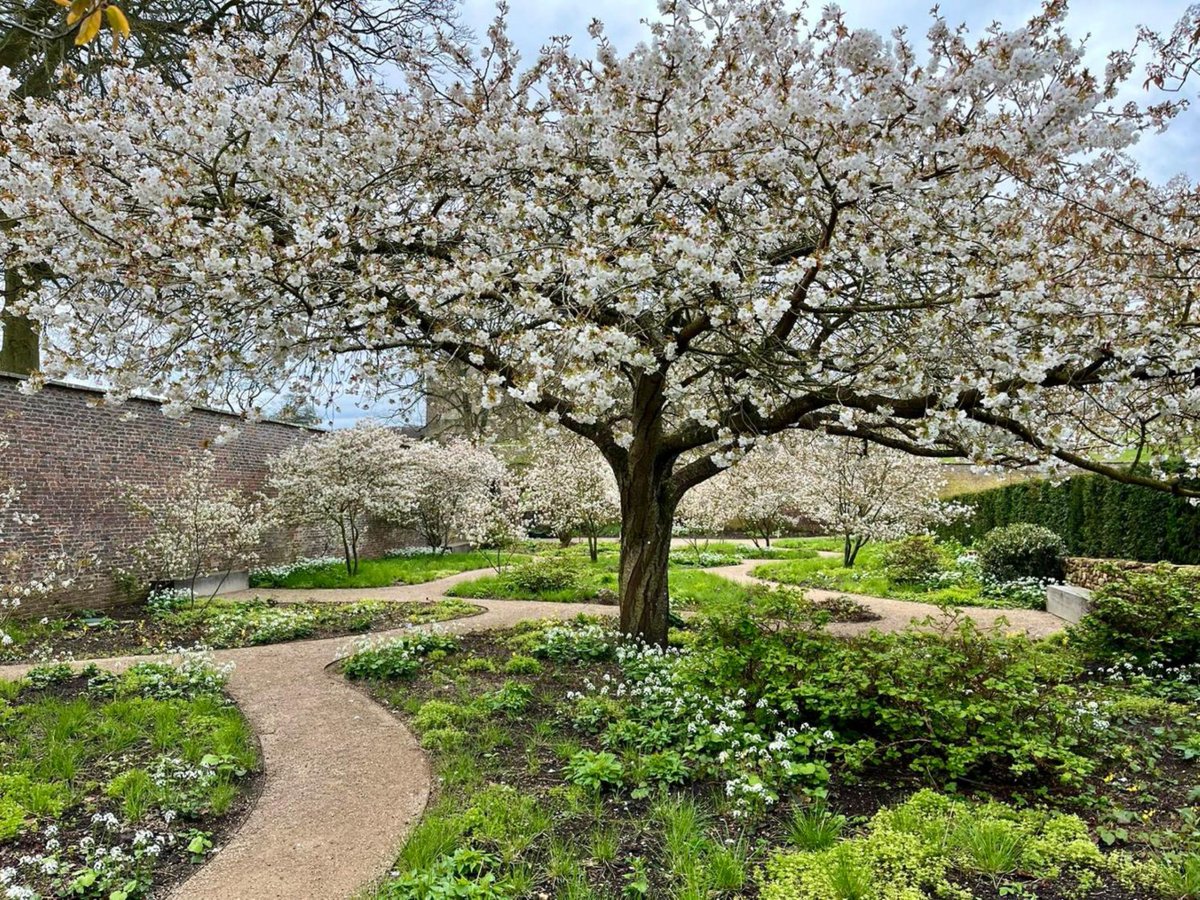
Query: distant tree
[863, 492]
[569, 489]
[453, 490]
[341, 479]
[761, 489]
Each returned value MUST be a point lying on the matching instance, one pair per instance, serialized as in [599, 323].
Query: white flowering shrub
[396, 657]
[686, 731]
[340, 480]
[758, 219]
[197, 527]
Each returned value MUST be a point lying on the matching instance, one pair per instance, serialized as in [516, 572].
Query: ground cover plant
[757, 756]
[399, 567]
[112, 786]
[169, 620]
[913, 568]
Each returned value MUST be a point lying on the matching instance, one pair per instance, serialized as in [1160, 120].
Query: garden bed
[572, 768]
[216, 625]
[119, 786]
[399, 567]
[956, 582]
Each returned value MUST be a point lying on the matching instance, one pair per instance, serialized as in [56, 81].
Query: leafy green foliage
[1021, 550]
[1144, 616]
[462, 875]
[995, 704]
[916, 849]
[105, 774]
[912, 560]
[595, 770]
[398, 657]
[582, 642]
[545, 573]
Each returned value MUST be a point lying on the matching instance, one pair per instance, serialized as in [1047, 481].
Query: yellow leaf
[88, 30]
[117, 22]
[63, 2]
[78, 8]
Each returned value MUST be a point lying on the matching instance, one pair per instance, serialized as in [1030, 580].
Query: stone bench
[1067, 601]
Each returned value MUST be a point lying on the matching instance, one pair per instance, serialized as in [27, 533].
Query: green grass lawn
[416, 569]
[826, 542]
[568, 576]
[106, 780]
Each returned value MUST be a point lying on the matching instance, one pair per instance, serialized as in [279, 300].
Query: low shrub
[548, 573]
[575, 643]
[595, 770]
[998, 706]
[912, 560]
[1021, 551]
[1145, 616]
[463, 874]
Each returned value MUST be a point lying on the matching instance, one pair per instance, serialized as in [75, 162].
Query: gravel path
[345, 780]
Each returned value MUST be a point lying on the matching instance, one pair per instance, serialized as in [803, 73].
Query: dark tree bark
[646, 513]
[850, 549]
[648, 500]
[20, 349]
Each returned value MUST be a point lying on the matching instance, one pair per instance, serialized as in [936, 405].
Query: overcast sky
[1108, 25]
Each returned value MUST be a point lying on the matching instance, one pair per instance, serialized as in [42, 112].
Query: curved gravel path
[344, 779]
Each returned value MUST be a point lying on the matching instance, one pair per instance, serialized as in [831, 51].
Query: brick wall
[69, 454]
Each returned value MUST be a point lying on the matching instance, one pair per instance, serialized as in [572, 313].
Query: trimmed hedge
[1094, 515]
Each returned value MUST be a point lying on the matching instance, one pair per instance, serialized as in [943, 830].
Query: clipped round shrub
[912, 560]
[1021, 551]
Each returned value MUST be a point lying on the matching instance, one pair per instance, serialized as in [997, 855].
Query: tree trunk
[647, 511]
[565, 538]
[593, 547]
[20, 352]
[850, 550]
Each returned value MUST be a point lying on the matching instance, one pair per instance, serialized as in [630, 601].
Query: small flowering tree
[569, 489]
[703, 512]
[864, 492]
[500, 525]
[197, 527]
[454, 490]
[760, 490]
[340, 479]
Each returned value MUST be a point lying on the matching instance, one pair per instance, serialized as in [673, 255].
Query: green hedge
[1095, 516]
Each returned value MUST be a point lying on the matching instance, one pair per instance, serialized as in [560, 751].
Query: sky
[1107, 24]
